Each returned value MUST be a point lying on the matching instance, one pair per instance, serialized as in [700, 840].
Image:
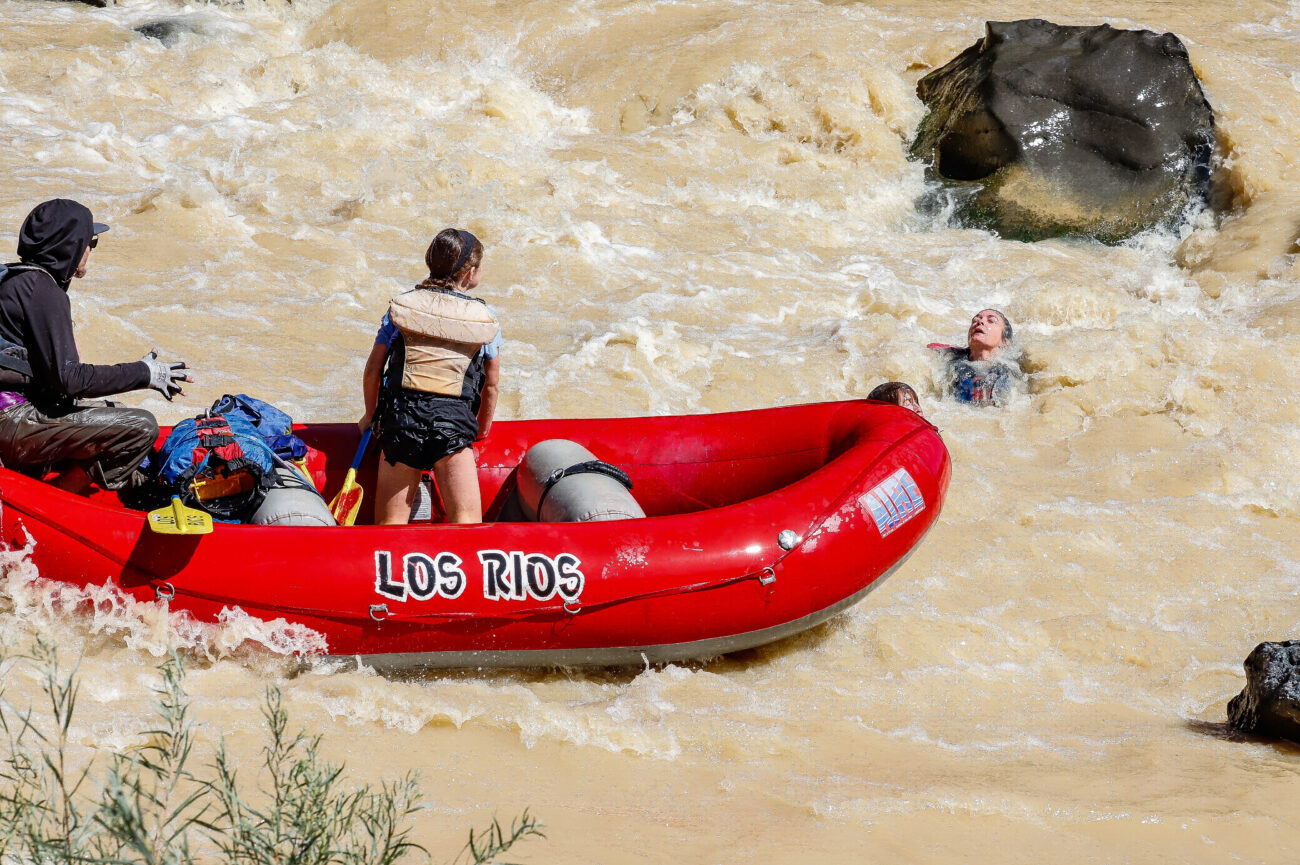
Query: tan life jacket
[442, 332]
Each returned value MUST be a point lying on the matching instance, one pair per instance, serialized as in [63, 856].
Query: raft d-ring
[164, 591]
[767, 576]
[379, 612]
[575, 609]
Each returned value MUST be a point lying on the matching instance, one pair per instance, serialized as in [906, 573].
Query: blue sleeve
[493, 348]
[387, 332]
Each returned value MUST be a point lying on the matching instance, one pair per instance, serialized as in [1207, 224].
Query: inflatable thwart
[560, 481]
[292, 501]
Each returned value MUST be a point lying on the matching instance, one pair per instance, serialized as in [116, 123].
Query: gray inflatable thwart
[293, 502]
[577, 498]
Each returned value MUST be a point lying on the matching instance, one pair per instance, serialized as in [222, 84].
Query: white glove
[163, 376]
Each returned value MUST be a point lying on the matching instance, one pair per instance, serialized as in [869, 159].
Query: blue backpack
[266, 418]
[274, 425]
[219, 463]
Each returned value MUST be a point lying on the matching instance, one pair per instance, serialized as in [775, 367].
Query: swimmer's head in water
[898, 393]
[989, 329]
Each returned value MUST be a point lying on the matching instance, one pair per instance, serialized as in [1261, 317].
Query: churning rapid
[704, 206]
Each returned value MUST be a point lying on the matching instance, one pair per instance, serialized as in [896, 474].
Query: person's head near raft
[897, 392]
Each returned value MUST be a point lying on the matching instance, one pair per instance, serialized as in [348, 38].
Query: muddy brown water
[706, 206]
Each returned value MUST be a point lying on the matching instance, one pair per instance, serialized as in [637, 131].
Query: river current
[705, 206]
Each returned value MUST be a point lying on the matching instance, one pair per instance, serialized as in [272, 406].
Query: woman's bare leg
[395, 492]
[457, 477]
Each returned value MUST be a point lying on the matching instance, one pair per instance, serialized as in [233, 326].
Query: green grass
[147, 807]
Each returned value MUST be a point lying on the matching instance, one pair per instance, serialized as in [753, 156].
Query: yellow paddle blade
[347, 504]
[178, 519]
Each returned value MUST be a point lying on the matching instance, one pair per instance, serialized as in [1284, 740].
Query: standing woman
[430, 384]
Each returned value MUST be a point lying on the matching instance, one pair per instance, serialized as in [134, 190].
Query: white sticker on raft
[511, 575]
[893, 501]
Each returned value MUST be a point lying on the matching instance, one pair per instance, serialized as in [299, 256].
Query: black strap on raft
[12, 355]
[13, 362]
[597, 467]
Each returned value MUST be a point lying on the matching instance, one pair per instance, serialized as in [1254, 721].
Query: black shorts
[419, 429]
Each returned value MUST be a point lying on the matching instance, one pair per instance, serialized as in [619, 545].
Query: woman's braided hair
[450, 256]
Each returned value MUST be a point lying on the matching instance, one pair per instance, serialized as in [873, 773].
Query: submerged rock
[168, 31]
[1270, 702]
[1051, 130]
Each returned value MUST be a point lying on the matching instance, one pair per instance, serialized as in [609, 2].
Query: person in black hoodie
[43, 427]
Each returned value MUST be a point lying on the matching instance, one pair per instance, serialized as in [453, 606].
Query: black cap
[98, 228]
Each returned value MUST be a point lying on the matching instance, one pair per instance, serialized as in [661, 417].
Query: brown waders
[108, 442]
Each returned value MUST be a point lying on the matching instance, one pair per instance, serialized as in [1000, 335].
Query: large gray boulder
[1270, 702]
[1052, 130]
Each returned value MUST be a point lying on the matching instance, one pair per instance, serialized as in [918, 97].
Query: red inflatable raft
[759, 524]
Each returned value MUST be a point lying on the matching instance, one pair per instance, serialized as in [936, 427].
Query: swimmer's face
[907, 399]
[987, 329]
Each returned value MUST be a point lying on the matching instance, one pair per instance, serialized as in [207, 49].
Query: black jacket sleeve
[52, 349]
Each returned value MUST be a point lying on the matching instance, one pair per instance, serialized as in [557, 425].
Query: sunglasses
[94, 241]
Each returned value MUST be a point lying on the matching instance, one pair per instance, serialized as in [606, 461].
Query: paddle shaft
[345, 505]
[361, 450]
